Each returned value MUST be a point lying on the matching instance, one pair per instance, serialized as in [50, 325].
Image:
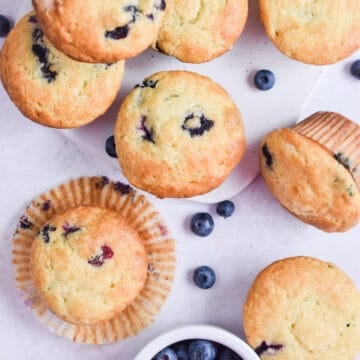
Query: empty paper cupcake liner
[140, 214]
[336, 133]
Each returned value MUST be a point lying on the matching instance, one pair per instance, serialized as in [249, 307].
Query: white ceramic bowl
[206, 332]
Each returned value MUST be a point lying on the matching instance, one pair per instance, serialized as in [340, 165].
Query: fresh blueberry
[166, 354]
[4, 26]
[268, 156]
[264, 80]
[182, 350]
[202, 350]
[202, 224]
[227, 354]
[355, 69]
[225, 208]
[110, 146]
[204, 277]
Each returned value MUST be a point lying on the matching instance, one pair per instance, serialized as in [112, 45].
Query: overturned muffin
[313, 170]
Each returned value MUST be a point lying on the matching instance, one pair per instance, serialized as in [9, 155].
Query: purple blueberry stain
[69, 229]
[28, 302]
[25, 223]
[161, 5]
[41, 52]
[121, 32]
[203, 124]
[45, 232]
[122, 188]
[268, 349]
[99, 260]
[268, 157]
[148, 83]
[151, 268]
[148, 133]
[103, 181]
[33, 19]
[37, 35]
[163, 230]
[343, 160]
[107, 252]
[46, 205]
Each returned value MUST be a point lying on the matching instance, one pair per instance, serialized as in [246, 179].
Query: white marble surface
[34, 159]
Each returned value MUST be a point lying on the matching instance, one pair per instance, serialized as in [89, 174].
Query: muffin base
[160, 247]
[338, 134]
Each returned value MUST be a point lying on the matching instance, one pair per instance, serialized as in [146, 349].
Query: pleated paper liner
[160, 247]
[338, 134]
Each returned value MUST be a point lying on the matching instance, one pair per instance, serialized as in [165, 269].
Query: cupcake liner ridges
[338, 134]
[140, 214]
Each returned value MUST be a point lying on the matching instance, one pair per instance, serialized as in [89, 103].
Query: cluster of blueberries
[202, 224]
[196, 350]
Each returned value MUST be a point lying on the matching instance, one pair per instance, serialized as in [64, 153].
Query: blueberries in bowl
[166, 354]
[204, 277]
[202, 224]
[4, 26]
[197, 349]
[202, 350]
[355, 69]
[264, 80]
[225, 208]
[227, 354]
[182, 350]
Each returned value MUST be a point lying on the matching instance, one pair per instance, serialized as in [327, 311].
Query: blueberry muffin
[88, 264]
[314, 32]
[103, 31]
[313, 170]
[303, 308]
[50, 88]
[178, 134]
[195, 33]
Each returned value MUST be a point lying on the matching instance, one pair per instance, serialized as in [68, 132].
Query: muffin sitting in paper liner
[94, 260]
[313, 170]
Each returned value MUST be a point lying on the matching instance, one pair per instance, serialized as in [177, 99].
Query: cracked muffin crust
[312, 31]
[312, 169]
[303, 308]
[88, 264]
[50, 88]
[172, 141]
[100, 31]
[199, 31]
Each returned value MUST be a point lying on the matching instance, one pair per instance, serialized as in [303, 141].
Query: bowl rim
[206, 332]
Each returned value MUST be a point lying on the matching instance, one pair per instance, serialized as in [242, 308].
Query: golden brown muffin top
[88, 264]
